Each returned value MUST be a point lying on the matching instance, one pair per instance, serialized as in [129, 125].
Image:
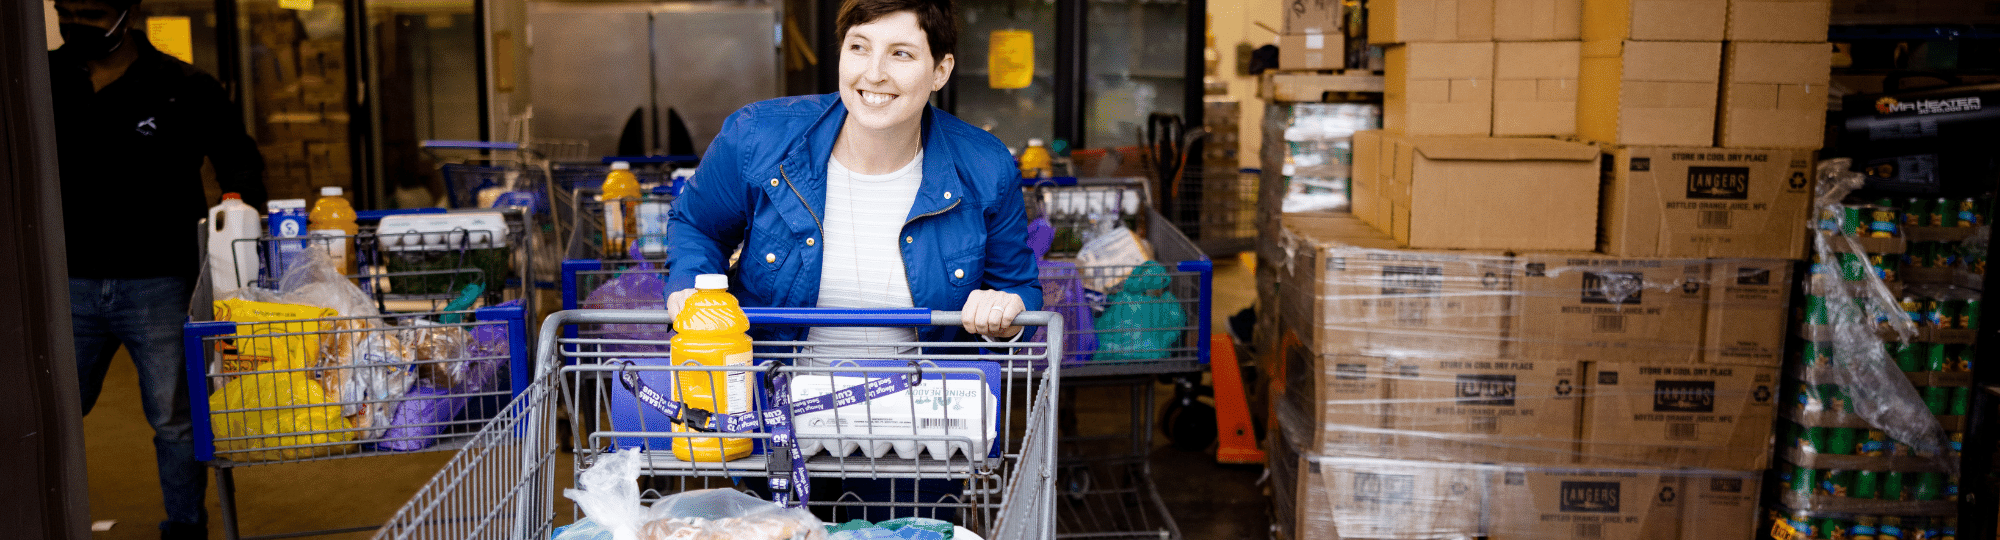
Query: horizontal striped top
[862, 265]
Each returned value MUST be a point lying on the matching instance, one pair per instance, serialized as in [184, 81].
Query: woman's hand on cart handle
[991, 313]
[676, 301]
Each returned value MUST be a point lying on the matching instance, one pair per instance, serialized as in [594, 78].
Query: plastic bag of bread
[367, 370]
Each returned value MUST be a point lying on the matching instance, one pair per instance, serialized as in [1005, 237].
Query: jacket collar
[805, 162]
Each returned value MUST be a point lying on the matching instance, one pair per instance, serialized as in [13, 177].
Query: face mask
[92, 41]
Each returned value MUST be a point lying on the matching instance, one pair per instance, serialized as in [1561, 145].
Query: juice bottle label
[335, 244]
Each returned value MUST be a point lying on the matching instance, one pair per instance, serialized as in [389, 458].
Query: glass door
[294, 72]
[422, 54]
[1015, 114]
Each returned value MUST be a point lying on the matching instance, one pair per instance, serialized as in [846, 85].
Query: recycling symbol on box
[1562, 387]
[1798, 180]
[1667, 494]
[1763, 393]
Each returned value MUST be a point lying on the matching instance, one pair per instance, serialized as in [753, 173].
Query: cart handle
[639, 160]
[794, 317]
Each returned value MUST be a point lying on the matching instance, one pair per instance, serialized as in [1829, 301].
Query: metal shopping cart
[442, 348]
[579, 214]
[996, 461]
[1145, 322]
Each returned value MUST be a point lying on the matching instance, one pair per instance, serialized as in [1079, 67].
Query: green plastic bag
[1142, 320]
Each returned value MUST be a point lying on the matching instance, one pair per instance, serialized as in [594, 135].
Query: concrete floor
[1208, 501]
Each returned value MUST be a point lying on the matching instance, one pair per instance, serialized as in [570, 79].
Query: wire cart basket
[1134, 324]
[927, 447]
[441, 347]
[579, 213]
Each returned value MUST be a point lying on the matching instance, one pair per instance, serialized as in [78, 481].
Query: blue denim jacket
[762, 185]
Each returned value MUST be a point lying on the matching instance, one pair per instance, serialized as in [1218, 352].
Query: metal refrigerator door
[591, 70]
[710, 61]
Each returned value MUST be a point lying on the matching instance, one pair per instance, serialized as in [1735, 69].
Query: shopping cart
[997, 461]
[1147, 322]
[579, 214]
[426, 261]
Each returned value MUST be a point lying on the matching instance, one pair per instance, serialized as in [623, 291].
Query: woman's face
[887, 73]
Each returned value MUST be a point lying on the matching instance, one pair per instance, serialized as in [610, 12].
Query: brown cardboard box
[1371, 174]
[1583, 306]
[1455, 192]
[1537, 20]
[1364, 294]
[1390, 499]
[1706, 202]
[1654, 20]
[1710, 416]
[1747, 315]
[1438, 89]
[1576, 504]
[1315, 17]
[1423, 21]
[1774, 95]
[1312, 51]
[1801, 21]
[1651, 93]
[1534, 88]
[1719, 505]
[1333, 403]
[1486, 410]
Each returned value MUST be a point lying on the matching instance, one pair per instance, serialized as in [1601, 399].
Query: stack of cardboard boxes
[298, 92]
[1559, 306]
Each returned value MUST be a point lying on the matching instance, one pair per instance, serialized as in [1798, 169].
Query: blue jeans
[145, 315]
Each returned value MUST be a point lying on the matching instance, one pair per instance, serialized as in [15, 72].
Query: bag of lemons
[266, 332]
[293, 411]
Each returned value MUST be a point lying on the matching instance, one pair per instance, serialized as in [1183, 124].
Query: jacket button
[959, 273]
[774, 182]
[947, 195]
[770, 257]
[909, 239]
[809, 242]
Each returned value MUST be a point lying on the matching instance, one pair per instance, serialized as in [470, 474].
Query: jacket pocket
[964, 270]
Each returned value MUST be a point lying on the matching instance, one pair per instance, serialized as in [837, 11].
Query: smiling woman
[867, 198]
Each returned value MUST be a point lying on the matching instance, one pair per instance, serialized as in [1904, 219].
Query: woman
[868, 198]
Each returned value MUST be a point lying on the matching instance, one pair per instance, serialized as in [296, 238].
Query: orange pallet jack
[1237, 434]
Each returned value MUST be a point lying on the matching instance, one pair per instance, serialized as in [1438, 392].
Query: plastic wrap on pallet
[1319, 152]
[1345, 497]
[1532, 359]
[1857, 307]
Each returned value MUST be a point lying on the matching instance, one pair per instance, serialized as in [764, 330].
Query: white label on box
[927, 414]
[1315, 41]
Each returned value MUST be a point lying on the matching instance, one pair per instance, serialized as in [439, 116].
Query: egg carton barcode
[947, 423]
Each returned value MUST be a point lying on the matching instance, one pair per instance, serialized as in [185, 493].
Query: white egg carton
[432, 232]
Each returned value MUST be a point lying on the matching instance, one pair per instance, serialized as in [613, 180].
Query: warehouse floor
[1208, 501]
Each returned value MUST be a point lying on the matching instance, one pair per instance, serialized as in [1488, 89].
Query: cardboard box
[1709, 416]
[1454, 192]
[1774, 95]
[1706, 202]
[1801, 21]
[1364, 294]
[1312, 51]
[1438, 89]
[1748, 317]
[1325, 17]
[1429, 21]
[1366, 498]
[1648, 93]
[1486, 410]
[1370, 175]
[1574, 504]
[1537, 20]
[1534, 88]
[1719, 505]
[1334, 403]
[1585, 306]
[1654, 20]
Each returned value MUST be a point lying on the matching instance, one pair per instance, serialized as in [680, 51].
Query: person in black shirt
[132, 128]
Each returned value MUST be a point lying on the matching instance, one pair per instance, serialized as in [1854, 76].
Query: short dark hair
[935, 17]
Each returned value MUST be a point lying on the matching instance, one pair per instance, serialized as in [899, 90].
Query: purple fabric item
[426, 405]
[642, 289]
[1041, 235]
[1062, 293]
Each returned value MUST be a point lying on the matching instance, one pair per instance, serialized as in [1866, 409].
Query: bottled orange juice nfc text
[711, 332]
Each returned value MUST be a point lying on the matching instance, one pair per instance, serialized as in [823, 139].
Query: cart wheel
[1189, 423]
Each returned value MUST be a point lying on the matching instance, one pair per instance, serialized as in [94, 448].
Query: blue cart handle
[885, 317]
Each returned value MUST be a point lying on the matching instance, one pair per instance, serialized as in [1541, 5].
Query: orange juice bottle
[333, 216]
[712, 333]
[1035, 160]
[621, 209]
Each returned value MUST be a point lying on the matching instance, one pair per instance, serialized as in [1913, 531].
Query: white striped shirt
[862, 265]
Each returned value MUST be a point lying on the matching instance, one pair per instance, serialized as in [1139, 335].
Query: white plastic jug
[233, 227]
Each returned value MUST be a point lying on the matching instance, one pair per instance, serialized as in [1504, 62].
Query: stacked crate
[298, 89]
